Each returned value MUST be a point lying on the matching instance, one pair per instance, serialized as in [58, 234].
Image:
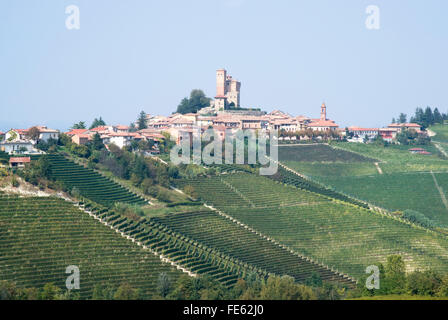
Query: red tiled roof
[20, 131]
[100, 128]
[75, 131]
[20, 160]
[122, 127]
[362, 129]
[417, 149]
[323, 123]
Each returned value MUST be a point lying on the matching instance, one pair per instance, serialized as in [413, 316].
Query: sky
[147, 55]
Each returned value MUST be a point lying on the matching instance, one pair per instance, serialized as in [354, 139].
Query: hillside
[90, 184]
[345, 237]
[399, 180]
[41, 236]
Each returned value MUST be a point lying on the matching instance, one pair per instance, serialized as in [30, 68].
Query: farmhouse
[17, 146]
[363, 133]
[405, 126]
[388, 134]
[19, 162]
[46, 134]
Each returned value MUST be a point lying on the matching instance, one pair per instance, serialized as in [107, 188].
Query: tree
[402, 118]
[424, 283]
[164, 284]
[97, 123]
[395, 275]
[132, 127]
[438, 118]
[429, 117]
[97, 143]
[393, 120]
[33, 134]
[196, 102]
[50, 292]
[284, 288]
[126, 292]
[141, 121]
[79, 125]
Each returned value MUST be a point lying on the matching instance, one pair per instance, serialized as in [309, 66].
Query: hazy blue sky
[291, 55]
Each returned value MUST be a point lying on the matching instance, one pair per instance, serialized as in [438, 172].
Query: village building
[322, 124]
[46, 134]
[388, 134]
[16, 134]
[19, 162]
[17, 147]
[364, 133]
[121, 128]
[405, 126]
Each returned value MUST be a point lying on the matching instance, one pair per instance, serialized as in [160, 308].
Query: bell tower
[323, 112]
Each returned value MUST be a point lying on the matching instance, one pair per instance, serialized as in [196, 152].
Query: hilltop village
[224, 114]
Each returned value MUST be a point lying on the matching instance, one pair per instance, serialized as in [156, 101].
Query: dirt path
[441, 149]
[377, 165]
[442, 195]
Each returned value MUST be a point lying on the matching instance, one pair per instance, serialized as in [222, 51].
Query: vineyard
[40, 237]
[397, 158]
[215, 231]
[333, 169]
[208, 244]
[399, 191]
[293, 179]
[90, 184]
[348, 238]
[318, 153]
[441, 133]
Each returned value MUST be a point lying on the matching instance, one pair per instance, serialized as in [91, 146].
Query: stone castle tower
[227, 91]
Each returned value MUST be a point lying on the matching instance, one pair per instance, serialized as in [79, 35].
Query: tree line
[424, 118]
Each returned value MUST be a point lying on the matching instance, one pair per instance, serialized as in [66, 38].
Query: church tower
[323, 112]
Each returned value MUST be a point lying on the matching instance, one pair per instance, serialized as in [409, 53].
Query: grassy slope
[441, 133]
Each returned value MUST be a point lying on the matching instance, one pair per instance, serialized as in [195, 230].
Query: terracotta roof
[100, 128]
[75, 131]
[323, 123]
[20, 160]
[44, 129]
[20, 131]
[121, 127]
[408, 125]
[362, 129]
[417, 149]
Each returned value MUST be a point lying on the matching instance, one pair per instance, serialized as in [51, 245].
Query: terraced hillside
[178, 248]
[209, 244]
[346, 237]
[40, 237]
[318, 153]
[397, 158]
[216, 231]
[420, 191]
[90, 184]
